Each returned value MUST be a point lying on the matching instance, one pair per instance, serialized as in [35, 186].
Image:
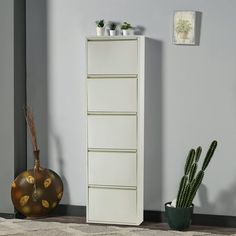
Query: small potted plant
[179, 212]
[113, 29]
[100, 27]
[182, 28]
[125, 27]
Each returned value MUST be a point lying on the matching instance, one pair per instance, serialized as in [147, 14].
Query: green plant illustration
[183, 27]
[190, 182]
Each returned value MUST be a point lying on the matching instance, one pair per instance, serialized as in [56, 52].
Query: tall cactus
[184, 180]
[182, 186]
[194, 187]
[189, 183]
[189, 161]
[209, 154]
[186, 193]
[193, 168]
[198, 154]
[192, 172]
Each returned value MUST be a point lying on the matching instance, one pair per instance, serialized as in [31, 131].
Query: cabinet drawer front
[112, 95]
[110, 168]
[112, 205]
[112, 131]
[113, 57]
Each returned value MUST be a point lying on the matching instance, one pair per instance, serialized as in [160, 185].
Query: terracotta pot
[37, 191]
[183, 35]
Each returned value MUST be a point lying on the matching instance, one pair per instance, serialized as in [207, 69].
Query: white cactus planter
[112, 32]
[100, 31]
[125, 32]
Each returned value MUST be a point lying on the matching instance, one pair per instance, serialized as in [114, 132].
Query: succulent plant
[189, 184]
[113, 26]
[100, 23]
[126, 26]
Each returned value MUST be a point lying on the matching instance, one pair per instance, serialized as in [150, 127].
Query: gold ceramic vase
[37, 191]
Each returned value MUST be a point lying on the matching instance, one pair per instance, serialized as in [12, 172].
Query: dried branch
[31, 125]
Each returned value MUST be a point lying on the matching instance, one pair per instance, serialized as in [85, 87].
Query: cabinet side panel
[140, 149]
[87, 189]
[153, 125]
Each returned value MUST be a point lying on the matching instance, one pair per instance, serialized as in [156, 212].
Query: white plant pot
[112, 32]
[100, 31]
[125, 32]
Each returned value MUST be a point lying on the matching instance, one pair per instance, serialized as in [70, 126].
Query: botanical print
[184, 27]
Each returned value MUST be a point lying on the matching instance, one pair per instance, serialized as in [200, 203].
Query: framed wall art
[184, 31]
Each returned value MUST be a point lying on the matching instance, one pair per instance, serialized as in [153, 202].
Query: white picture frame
[184, 28]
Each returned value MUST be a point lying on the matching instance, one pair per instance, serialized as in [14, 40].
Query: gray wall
[6, 103]
[198, 91]
[12, 97]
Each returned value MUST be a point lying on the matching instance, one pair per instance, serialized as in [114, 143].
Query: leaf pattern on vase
[13, 185]
[30, 179]
[45, 203]
[54, 204]
[47, 182]
[59, 195]
[24, 200]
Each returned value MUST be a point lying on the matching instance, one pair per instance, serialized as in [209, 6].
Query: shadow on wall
[198, 27]
[225, 201]
[38, 86]
[204, 200]
[153, 176]
[139, 30]
[37, 76]
[61, 164]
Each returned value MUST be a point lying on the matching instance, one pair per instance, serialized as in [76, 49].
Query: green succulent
[126, 26]
[113, 26]
[100, 23]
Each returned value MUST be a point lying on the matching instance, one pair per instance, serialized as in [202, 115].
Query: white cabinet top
[118, 37]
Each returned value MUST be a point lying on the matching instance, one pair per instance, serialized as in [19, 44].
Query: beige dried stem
[31, 125]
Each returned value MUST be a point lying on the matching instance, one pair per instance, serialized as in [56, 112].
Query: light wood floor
[150, 225]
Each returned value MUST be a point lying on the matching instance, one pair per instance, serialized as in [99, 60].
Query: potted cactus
[125, 27]
[113, 29]
[179, 212]
[100, 27]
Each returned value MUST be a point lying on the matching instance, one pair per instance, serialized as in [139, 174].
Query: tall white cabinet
[115, 129]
